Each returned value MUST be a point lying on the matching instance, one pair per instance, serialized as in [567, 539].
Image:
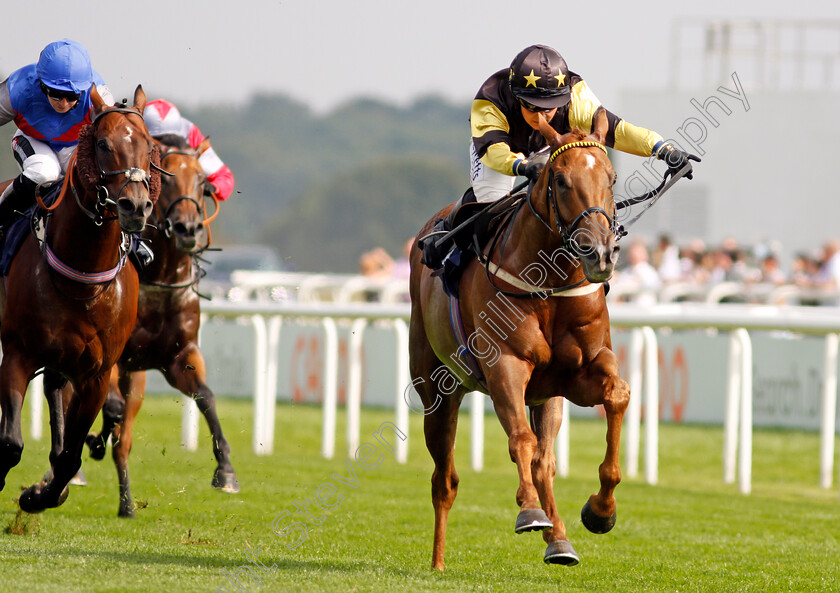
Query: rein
[563, 230]
[132, 175]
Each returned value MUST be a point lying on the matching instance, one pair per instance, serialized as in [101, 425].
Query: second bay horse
[539, 331]
[166, 335]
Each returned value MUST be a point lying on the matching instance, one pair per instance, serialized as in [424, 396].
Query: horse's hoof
[96, 446]
[532, 520]
[596, 523]
[560, 551]
[79, 479]
[125, 513]
[30, 499]
[225, 481]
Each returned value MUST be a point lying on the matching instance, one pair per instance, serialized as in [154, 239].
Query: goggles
[58, 95]
[534, 108]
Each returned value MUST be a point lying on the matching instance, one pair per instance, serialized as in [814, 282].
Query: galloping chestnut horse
[533, 351]
[166, 334]
[69, 301]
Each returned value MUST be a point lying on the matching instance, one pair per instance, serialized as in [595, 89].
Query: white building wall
[769, 168]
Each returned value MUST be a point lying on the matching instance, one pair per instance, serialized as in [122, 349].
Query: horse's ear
[205, 144]
[139, 98]
[600, 126]
[96, 100]
[549, 133]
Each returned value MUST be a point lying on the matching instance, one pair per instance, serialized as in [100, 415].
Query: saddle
[463, 234]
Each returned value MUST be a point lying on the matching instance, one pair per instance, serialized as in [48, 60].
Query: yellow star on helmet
[561, 78]
[532, 80]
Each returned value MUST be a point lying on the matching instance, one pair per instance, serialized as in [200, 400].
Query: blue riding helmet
[65, 65]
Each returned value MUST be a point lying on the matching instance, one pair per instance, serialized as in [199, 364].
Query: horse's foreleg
[14, 378]
[188, 374]
[112, 415]
[53, 392]
[82, 410]
[507, 390]
[546, 420]
[599, 513]
[133, 388]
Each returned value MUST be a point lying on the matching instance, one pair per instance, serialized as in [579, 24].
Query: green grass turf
[689, 533]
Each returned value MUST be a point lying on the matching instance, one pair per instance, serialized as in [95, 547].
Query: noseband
[566, 232]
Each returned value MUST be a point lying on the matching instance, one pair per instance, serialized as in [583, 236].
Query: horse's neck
[169, 266]
[77, 240]
[532, 247]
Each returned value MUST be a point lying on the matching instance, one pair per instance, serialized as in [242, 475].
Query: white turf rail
[267, 320]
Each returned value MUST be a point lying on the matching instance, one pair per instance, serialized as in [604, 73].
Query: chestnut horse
[166, 334]
[554, 342]
[69, 302]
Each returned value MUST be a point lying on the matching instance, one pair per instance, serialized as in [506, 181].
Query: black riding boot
[436, 246]
[16, 201]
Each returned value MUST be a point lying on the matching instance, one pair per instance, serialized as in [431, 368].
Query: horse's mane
[88, 170]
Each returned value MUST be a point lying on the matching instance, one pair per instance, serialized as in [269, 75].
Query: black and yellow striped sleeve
[621, 135]
[490, 135]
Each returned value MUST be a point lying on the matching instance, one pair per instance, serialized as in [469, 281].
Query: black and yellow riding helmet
[539, 77]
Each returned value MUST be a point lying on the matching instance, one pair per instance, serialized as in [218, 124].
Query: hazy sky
[324, 52]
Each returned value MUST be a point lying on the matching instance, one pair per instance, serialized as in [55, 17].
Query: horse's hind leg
[133, 388]
[188, 374]
[545, 421]
[441, 396]
[439, 427]
[598, 514]
[14, 378]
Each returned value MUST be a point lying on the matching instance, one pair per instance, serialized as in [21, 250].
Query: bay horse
[529, 352]
[166, 334]
[69, 301]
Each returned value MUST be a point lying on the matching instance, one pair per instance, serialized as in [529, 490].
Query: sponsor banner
[693, 367]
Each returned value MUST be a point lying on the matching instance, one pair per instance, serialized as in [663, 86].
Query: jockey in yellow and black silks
[504, 121]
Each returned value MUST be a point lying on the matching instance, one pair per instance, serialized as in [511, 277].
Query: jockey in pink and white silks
[49, 101]
[162, 117]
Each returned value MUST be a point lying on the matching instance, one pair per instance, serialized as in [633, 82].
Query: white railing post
[829, 411]
[403, 380]
[745, 442]
[561, 446]
[272, 365]
[733, 406]
[260, 396]
[634, 409]
[477, 430]
[36, 406]
[651, 406]
[354, 384]
[330, 387]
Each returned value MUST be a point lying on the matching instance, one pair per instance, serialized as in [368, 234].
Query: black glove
[528, 169]
[676, 159]
[209, 189]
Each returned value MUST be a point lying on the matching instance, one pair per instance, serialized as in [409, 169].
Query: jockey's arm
[7, 113]
[490, 129]
[105, 94]
[218, 173]
[621, 135]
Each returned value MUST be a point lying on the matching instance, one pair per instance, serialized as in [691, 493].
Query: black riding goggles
[534, 108]
[58, 95]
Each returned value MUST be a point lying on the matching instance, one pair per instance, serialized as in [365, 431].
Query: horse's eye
[102, 143]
